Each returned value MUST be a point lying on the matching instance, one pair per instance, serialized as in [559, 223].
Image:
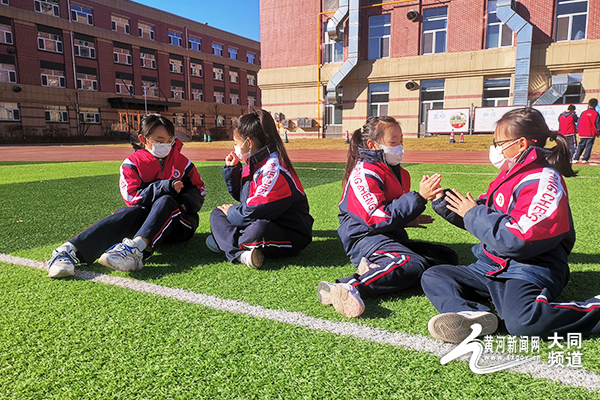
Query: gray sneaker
[345, 298]
[212, 244]
[456, 327]
[123, 257]
[63, 262]
[253, 258]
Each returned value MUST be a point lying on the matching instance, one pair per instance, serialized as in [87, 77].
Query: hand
[430, 187]
[421, 221]
[183, 207]
[225, 208]
[178, 185]
[458, 203]
[231, 159]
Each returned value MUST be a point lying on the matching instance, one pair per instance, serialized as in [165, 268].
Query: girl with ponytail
[272, 219]
[376, 206]
[526, 231]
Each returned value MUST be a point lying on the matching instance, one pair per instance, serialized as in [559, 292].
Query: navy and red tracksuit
[567, 126]
[526, 231]
[154, 209]
[273, 213]
[376, 206]
[589, 128]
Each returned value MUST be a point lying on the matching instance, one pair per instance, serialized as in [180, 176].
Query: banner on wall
[447, 120]
[486, 117]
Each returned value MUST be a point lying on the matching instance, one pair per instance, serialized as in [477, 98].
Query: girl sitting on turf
[273, 217]
[526, 231]
[163, 192]
[376, 206]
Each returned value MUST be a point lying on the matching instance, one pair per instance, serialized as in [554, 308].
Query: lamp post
[145, 98]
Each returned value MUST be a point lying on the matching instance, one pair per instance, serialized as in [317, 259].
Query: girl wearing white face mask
[376, 206]
[526, 231]
[272, 219]
[163, 192]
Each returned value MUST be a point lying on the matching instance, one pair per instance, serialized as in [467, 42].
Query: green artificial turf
[44, 204]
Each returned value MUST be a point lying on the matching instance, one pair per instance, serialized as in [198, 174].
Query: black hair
[593, 103]
[152, 121]
[260, 127]
[373, 130]
[529, 123]
[571, 107]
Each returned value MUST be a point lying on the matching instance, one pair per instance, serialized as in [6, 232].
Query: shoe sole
[62, 273]
[342, 300]
[215, 248]
[257, 258]
[455, 328]
[103, 260]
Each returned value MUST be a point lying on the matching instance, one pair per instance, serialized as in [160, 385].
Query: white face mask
[238, 151]
[499, 161]
[160, 150]
[393, 154]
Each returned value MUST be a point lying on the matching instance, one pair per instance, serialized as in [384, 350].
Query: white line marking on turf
[537, 369]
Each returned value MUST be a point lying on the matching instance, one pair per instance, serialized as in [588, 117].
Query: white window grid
[122, 56]
[152, 91]
[87, 82]
[218, 74]
[333, 51]
[220, 120]
[49, 7]
[85, 49]
[50, 42]
[251, 101]
[8, 73]
[196, 69]
[176, 66]
[251, 58]
[234, 98]
[81, 14]
[120, 24]
[6, 35]
[219, 97]
[379, 36]
[251, 80]
[179, 119]
[437, 36]
[56, 114]
[233, 54]
[175, 39]
[217, 49]
[568, 21]
[234, 76]
[53, 78]
[195, 43]
[89, 115]
[496, 92]
[498, 33]
[5, 2]
[379, 94]
[148, 60]
[197, 95]
[124, 86]
[177, 93]
[10, 112]
[145, 29]
[197, 120]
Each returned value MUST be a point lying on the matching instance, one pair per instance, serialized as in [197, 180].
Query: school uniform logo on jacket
[366, 199]
[267, 185]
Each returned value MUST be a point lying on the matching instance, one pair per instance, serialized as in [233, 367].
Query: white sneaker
[456, 327]
[575, 161]
[212, 244]
[123, 257]
[63, 261]
[345, 298]
[365, 265]
[253, 258]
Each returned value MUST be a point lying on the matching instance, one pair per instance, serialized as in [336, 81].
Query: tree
[82, 125]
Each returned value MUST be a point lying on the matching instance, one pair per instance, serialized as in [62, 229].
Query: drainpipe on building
[560, 83]
[524, 31]
[74, 71]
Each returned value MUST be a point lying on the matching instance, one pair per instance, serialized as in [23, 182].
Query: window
[234, 98]
[571, 19]
[379, 36]
[84, 48]
[250, 57]
[333, 113]
[121, 56]
[124, 86]
[148, 60]
[50, 42]
[379, 99]
[333, 51]
[196, 68]
[119, 24]
[435, 21]
[251, 99]
[179, 119]
[87, 81]
[150, 88]
[219, 96]
[57, 114]
[53, 78]
[573, 93]
[218, 73]
[217, 49]
[5, 2]
[432, 96]
[197, 120]
[233, 54]
[195, 44]
[176, 66]
[10, 112]
[89, 115]
[234, 76]
[49, 7]
[8, 73]
[6, 34]
[251, 79]
[496, 92]
[175, 39]
[177, 92]
[220, 120]
[81, 14]
[145, 30]
[498, 33]
[197, 94]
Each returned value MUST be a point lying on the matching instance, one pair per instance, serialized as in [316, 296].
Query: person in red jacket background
[163, 192]
[589, 128]
[567, 126]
